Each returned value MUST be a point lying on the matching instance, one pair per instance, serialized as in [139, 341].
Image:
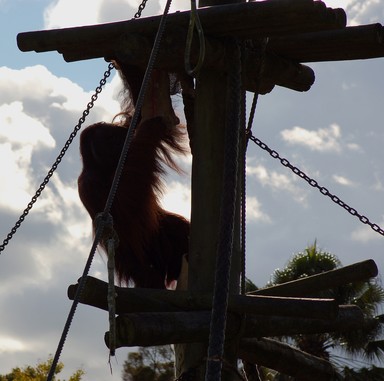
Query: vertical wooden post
[207, 184]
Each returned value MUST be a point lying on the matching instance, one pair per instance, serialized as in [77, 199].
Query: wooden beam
[211, 124]
[130, 300]
[312, 285]
[351, 43]
[147, 329]
[135, 50]
[251, 19]
[348, 319]
[277, 71]
[287, 360]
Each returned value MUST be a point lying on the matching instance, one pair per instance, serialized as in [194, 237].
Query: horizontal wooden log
[287, 360]
[277, 71]
[266, 18]
[152, 300]
[348, 319]
[150, 329]
[351, 43]
[146, 329]
[312, 285]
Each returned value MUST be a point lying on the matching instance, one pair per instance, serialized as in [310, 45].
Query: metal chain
[323, 190]
[141, 8]
[73, 134]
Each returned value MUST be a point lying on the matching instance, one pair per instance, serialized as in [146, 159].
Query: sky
[334, 132]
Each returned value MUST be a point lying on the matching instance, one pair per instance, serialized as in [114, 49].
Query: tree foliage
[150, 364]
[39, 372]
[364, 342]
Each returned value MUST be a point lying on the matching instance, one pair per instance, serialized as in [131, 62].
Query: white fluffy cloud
[277, 182]
[20, 134]
[342, 180]
[34, 104]
[61, 13]
[38, 85]
[65, 13]
[18, 127]
[364, 234]
[37, 113]
[360, 11]
[365, 12]
[8, 344]
[177, 199]
[322, 140]
[255, 211]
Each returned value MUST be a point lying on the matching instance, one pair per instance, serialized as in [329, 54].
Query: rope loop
[194, 20]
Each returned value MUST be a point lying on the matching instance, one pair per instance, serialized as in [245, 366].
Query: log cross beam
[298, 31]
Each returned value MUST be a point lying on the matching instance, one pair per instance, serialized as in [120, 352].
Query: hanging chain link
[323, 190]
[73, 134]
[141, 8]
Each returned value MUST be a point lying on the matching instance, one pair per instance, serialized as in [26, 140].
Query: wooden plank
[129, 300]
[312, 285]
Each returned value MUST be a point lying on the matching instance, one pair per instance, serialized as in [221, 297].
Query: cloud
[37, 109]
[277, 182]
[60, 14]
[177, 199]
[254, 211]
[365, 234]
[18, 127]
[378, 185]
[364, 12]
[39, 90]
[9, 344]
[14, 176]
[65, 13]
[360, 11]
[37, 113]
[322, 140]
[343, 180]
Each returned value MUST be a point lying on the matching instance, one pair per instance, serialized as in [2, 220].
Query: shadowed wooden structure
[282, 36]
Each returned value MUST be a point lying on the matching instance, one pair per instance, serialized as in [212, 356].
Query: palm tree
[368, 295]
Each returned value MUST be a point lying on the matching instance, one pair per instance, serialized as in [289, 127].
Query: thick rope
[113, 190]
[243, 201]
[138, 106]
[227, 218]
[111, 296]
[248, 132]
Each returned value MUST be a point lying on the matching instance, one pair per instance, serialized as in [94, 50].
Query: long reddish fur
[152, 240]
